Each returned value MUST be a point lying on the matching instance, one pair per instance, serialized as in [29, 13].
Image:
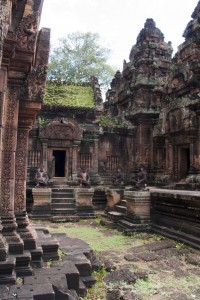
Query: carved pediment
[60, 130]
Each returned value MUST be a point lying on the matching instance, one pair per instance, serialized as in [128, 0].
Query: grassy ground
[171, 277]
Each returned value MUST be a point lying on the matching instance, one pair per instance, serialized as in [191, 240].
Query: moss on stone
[69, 95]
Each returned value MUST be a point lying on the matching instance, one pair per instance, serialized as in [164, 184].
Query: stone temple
[150, 119]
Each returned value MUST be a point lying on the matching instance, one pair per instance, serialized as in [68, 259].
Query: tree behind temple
[78, 57]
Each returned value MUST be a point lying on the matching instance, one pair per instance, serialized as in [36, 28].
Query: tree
[78, 57]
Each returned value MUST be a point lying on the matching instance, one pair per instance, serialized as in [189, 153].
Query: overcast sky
[117, 21]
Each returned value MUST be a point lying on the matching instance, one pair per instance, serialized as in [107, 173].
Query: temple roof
[69, 95]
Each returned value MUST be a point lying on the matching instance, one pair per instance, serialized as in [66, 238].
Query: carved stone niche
[60, 130]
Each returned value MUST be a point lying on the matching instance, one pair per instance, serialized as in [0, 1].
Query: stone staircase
[99, 199]
[118, 211]
[63, 206]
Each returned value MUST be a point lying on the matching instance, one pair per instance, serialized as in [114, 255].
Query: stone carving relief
[20, 174]
[34, 85]
[60, 130]
[27, 29]
[5, 8]
[7, 157]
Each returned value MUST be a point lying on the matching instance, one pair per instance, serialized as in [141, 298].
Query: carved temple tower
[136, 94]
[178, 127]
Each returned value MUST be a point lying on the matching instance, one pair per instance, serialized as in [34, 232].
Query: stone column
[192, 141]
[24, 231]
[8, 220]
[96, 154]
[75, 159]
[3, 243]
[44, 153]
[176, 162]
[169, 158]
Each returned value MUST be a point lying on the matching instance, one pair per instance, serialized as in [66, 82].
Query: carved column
[75, 159]
[169, 158]
[176, 162]
[44, 153]
[3, 243]
[8, 172]
[192, 141]
[20, 187]
[96, 154]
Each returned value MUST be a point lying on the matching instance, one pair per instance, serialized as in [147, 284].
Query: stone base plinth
[113, 197]
[138, 206]
[84, 205]
[41, 209]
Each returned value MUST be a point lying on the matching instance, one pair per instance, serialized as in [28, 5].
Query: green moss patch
[69, 95]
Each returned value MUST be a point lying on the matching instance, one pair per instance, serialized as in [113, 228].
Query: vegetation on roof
[109, 121]
[69, 95]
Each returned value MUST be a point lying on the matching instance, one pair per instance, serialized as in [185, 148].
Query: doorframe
[66, 150]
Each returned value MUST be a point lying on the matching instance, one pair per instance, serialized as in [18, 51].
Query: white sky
[117, 21]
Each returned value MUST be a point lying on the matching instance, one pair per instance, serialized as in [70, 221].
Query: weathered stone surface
[37, 291]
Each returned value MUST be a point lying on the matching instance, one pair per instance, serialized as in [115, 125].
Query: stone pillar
[24, 231]
[84, 205]
[8, 220]
[192, 140]
[138, 206]
[75, 159]
[96, 155]
[44, 153]
[176, 163]
[41, 209]
[169, 158]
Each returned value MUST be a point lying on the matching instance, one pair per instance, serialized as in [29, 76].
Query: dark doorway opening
[59, 156]
[184, 163]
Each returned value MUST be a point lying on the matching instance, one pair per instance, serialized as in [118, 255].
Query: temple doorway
[59, 156]
[184, 162]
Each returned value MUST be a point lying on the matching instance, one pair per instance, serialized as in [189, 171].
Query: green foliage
[78, 57]
[112, 122]
[41, 121]
[69, 95]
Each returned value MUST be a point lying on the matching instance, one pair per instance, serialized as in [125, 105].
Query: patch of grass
[98, 291]
[96, 238]
[147, 287]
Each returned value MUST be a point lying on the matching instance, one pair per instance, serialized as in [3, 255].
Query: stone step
[123, 203]
[65, 218]
[120, 208]
[62, 195]
[63, 205]
[62, 200]
[22, 267]
[115, 215]
[62, 189]
[126, 223]
[63, 211]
